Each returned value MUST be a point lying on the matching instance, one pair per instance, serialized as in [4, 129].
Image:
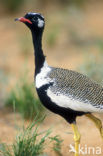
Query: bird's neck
[38, 52]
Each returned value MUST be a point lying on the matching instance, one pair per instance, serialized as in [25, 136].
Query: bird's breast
[42, 78]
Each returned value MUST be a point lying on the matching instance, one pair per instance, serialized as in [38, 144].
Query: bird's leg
[76, 138]
[97, 122]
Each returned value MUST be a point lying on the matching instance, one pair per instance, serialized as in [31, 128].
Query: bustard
[64, 92]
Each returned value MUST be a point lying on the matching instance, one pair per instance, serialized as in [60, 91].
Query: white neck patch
[42, 78]
[40, 23]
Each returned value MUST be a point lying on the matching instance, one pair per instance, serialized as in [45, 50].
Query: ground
[90, 137]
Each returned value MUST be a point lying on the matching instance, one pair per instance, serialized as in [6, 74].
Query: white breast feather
[68, 102]
[41, 78]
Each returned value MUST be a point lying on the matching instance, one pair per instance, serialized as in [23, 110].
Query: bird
[65, 92]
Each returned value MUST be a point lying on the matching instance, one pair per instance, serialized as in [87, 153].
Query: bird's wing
[76, 88]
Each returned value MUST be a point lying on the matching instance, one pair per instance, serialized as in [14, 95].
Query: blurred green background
[73, 39]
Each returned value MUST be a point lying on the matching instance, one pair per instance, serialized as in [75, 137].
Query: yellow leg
[76, 138]
[97, 122]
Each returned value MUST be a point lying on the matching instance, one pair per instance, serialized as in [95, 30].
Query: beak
[24, 20]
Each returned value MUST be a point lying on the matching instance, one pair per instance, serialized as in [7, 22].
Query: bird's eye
[34, 18]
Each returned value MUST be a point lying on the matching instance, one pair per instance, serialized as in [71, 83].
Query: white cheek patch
[40, 23]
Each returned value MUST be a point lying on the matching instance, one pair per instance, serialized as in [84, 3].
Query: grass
[3, 83]
[27, 143]
[93, 67]
[25, 100]
[57, 144]
[30, 142]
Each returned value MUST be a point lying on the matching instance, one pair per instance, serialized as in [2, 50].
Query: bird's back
[76, 86]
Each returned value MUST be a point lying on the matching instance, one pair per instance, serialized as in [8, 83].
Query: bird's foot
[76, 139]
[77, 148]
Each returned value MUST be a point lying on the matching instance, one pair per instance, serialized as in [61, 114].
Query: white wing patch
[40, 23]
[41, 78]
[68, 102]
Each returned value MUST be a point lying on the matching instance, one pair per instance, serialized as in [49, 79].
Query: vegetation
[3, 83]
[93, 67]
[57, 144]
[25, 101]
[12, 5]
[30, 142]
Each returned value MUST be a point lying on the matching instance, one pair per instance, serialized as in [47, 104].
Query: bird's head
[33, 20]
